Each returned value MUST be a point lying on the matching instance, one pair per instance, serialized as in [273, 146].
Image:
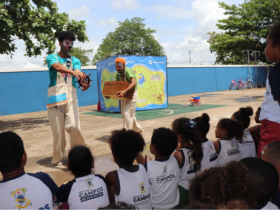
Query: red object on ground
[194, 100]
[270, 131]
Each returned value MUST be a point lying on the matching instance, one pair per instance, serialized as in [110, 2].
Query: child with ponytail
[247, 147]
[210, 157]
[189, 154]
[226, 147]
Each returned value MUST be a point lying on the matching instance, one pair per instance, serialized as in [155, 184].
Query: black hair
[264, 178]
[119, 205]
[259, 108]
[203, 124]
[11, 151]
[66, 35]
[195, 205]
[126, 145]
[80, 161]
[190, 136]
[165, 141]
[220, 185]
[274, 34]
[273, 153]
[233, 128]
[243, 116]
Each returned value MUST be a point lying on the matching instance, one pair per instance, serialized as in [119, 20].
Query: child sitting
[247, 147]
[164, 171]
[227, 148]
[87, 190]
[189, 155]
[265, 180]
[20, 190]
[130, 183]
[210, 157]
[270, 108]
[220, 186]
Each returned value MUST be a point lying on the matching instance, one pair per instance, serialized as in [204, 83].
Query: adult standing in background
[127, 107]
[63, 110]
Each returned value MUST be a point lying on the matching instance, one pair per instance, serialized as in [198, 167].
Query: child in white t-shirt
[229, 132]
[20, 190]
[247, 147]
[87, 190]
[189, 154]
[130, 183]
[164, 171]
[270, 108]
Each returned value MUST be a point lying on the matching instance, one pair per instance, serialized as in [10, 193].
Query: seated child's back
[130, 183]
[163, 172]
[190, 154]
[210, 157]
[247, 147]
[87, 190]
[227, 149]
[20, 190]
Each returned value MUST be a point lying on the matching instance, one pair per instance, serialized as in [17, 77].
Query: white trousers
[128, 114]
[65, 117]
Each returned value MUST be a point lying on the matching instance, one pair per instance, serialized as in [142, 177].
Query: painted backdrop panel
[150, 72]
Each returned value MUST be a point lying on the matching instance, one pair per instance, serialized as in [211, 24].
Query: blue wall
[23, 92]
[188, 80]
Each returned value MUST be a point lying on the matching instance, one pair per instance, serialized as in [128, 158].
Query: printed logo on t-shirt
[164, 169]
[233, 151]
[142, 187]
[21, 200]
[89, 182]
[90, 194]
[213, 150]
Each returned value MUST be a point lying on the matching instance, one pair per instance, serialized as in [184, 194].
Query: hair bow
[191, 123]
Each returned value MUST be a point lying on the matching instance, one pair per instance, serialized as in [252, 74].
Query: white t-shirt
[87, 192]
[270, 109]
[247, 148]
[186, 171]
[210, 157]
[270, 205]
[135, 188]
[27, 191]
[164, 177]
[228, 151]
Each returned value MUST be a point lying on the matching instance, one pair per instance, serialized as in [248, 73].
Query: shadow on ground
[24, 123]
[104, 138]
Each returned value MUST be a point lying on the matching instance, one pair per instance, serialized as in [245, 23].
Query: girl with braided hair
[247, 147]
[189, 154]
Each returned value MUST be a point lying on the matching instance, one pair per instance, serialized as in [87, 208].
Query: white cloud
[205, 14]
[31, 65]
[111, 22]
[79, 12]
[125, 4]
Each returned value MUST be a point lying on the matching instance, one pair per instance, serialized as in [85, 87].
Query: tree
[245, 28]
[37, 24]
[130, 38]
[79, 53]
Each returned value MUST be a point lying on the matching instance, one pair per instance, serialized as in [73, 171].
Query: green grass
[159, 113]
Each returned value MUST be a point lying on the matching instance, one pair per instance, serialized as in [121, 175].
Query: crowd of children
[188, 171]
[240, 170]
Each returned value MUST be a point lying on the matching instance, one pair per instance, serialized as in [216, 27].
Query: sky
[180, 26]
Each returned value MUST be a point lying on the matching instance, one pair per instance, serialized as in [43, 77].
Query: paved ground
[35, 130]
